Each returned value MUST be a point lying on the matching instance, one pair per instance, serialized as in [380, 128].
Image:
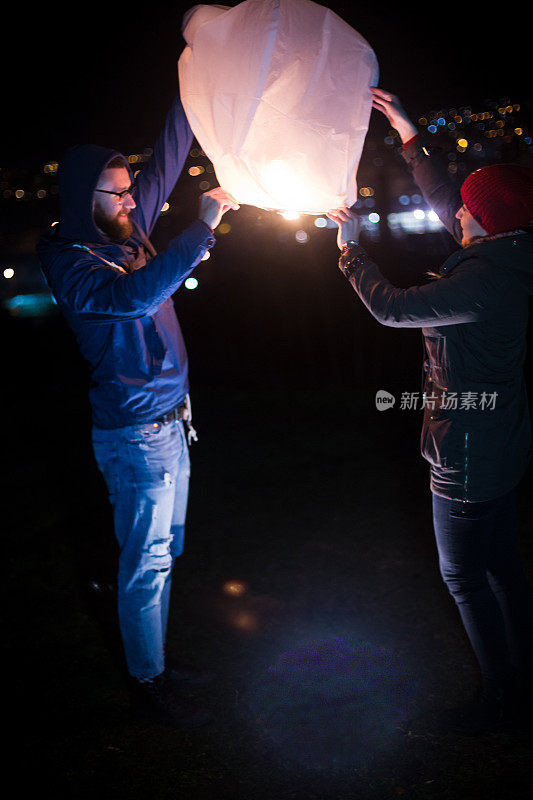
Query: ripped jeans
[146, 469]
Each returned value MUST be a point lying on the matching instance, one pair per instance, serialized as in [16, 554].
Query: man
[115, 293]
[474, 318]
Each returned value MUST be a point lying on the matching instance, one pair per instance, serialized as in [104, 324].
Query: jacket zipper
[466, 487]
[109, 263]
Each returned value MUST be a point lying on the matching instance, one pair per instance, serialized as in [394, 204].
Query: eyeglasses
[121, 195]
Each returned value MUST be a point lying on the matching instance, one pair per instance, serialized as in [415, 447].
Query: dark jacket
[474, 320]
[116, 295]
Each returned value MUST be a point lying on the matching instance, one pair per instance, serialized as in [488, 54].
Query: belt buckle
[174, 414]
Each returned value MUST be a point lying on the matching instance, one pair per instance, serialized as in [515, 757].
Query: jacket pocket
[442, 441]
[138, 352]
[155, 346]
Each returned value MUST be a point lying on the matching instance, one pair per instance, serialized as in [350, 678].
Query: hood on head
[79, 172]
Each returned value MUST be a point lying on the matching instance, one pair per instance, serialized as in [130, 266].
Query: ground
[318, 507]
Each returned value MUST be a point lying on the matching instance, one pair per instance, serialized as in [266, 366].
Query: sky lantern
[277, 95]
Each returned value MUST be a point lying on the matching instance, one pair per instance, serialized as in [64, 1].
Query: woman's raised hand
[389, 104]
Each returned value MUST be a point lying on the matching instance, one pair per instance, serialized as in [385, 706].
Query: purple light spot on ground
[333, 703]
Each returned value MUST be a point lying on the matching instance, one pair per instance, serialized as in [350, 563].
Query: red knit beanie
[500, 197]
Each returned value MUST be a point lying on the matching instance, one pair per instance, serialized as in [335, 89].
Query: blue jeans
[481, 565]
[146, 468]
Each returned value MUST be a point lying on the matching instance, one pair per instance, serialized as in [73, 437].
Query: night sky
[106, 72]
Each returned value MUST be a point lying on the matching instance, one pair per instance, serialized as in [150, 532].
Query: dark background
[301, 489]
[105, 72]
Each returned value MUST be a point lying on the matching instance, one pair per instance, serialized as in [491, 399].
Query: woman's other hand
[349, 224]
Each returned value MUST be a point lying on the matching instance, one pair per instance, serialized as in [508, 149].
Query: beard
[115, 227]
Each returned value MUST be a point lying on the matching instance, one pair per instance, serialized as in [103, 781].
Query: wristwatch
[351, 258]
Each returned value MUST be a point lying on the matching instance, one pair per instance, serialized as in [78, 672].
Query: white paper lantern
[277, 95]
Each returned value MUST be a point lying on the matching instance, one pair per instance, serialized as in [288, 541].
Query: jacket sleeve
[431, 176]
[96, 292]
[471, 293]
[157, 179]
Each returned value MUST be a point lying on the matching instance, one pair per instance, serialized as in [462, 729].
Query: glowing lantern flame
[287, 189]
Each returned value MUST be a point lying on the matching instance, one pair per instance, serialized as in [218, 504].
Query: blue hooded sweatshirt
[116, 295]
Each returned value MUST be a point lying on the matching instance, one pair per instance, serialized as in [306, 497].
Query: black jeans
[481, 565]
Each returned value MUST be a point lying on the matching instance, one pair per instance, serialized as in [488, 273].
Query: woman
[476, 428]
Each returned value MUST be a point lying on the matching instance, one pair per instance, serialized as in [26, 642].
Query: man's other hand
[214, 204]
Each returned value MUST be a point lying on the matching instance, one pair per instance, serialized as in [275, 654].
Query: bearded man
[115, 293]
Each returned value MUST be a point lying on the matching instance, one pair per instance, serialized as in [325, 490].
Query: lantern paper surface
[277, 95]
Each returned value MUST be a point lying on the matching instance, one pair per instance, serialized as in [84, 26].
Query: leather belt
[176, 413]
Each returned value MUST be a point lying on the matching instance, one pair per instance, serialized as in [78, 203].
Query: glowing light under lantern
[277, 95]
